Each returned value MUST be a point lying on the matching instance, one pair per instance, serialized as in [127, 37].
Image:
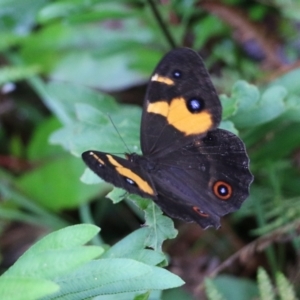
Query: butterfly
[191, 169]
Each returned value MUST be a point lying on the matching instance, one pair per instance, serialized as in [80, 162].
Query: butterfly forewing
[120, 172]
[181, 102]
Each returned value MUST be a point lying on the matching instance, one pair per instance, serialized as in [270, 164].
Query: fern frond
[212, 291]
[264, 285]
[285, 288]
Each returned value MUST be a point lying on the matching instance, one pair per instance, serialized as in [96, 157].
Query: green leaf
[209, 26]
[90, 61]
[161, 227]
[252, 112]
[177, 294]
[104, 11]
[229, 105]
[8, 40]
[228, 125]
[235, 288]
[64, 100]
[20, 288]
[144, 296]
[285, 139]
[8, 74]
[133, 246]
[21, 14]
[57, 253]
[154, 295]
[38, 147]
[89, 177]
[82, 133]
[293, 108]
[116, 195]
[65, 238]
[100, 72]
[246, 94]
[290, 81]
[114, 276]
[139, 201]
[66, 192]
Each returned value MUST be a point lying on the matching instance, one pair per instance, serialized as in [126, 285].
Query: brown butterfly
[193, 170]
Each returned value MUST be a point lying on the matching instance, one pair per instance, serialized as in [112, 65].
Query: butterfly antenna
[118, 133]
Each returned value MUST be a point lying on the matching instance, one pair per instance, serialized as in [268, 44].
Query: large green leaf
[40, 185]
[61, 252]
[113, 276]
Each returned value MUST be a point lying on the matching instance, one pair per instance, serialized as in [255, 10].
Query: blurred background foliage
[67, 64]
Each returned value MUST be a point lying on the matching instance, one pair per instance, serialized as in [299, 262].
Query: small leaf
[229, 126]
[116, 195]
[161, 227]
[141, 202]
[144, 296]
[230, 106]
[246, 94]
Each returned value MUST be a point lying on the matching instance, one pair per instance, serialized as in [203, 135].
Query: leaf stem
[162, 24]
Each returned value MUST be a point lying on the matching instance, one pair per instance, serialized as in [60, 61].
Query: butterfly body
[191, 169]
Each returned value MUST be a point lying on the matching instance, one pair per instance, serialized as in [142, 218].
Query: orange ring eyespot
[222, 190]
[200, 212]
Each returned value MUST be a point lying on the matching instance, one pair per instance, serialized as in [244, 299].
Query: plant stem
[162, 24]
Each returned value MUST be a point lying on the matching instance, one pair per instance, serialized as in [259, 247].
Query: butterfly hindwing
[181, 102]
[205, 179]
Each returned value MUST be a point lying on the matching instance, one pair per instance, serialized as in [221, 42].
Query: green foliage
[265, 286]
[61, 252]
[225, 287]
[286, 290]
[212, 291]
[9, 74]
[87, 48]
[58, 266]
[283, 288]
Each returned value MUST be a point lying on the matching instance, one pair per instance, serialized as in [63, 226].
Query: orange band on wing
[142, 184]
[162, 79]
[181, 118]
[160, 108]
